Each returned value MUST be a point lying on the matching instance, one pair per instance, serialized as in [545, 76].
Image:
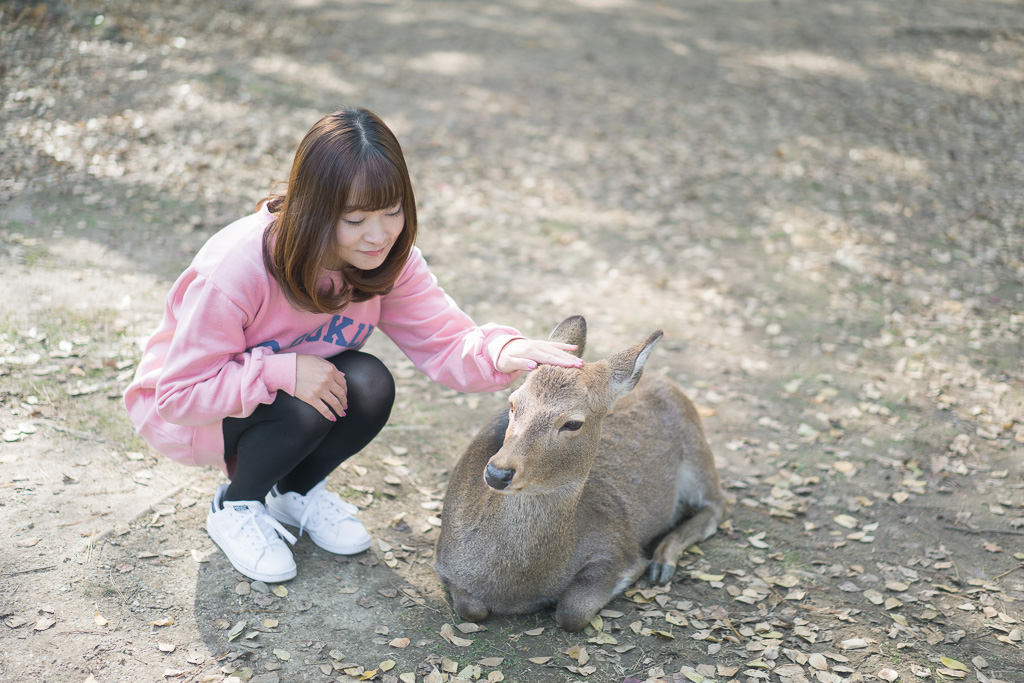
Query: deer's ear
[627, 366]
[572, 330]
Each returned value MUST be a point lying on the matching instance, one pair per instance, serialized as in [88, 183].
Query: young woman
[256, 366]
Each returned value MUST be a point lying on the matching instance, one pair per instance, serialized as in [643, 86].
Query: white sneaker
[251, 538]
[328, 519]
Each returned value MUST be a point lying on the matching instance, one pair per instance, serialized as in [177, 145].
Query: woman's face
[364, 238]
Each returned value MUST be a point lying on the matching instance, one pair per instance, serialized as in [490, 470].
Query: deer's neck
[540, 519]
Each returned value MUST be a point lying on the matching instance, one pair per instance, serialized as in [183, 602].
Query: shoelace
[258, 520]
[326, 506]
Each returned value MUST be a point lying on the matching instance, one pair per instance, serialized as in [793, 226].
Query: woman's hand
[527, 354]
[321, 385]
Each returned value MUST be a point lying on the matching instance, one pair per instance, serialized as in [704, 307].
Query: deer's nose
[497, 478]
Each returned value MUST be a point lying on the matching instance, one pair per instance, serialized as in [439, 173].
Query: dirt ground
[820, 203]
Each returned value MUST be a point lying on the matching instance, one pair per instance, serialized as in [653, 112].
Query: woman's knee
[288, 425]
[300, 417]
[371, 386]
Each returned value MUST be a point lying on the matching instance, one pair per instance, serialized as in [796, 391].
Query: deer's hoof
[660, 573]
[573, 623]
[473, 613]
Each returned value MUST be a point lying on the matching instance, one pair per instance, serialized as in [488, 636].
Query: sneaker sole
[252, 574]
[288, 520]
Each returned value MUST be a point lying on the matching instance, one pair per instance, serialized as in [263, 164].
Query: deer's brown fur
[556, 497]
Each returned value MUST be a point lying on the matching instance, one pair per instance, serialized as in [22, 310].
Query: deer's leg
[466, 606]
[593, 588]
[693, 530]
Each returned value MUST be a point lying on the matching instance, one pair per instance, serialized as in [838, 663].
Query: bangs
[378, 185]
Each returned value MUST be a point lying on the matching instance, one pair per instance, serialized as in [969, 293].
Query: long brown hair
[345, 153]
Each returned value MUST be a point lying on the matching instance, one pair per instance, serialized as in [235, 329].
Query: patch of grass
[76, 350]
[790, 559]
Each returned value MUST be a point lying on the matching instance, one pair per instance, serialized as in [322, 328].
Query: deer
[555, 499]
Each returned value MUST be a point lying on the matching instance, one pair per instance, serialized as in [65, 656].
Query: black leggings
[289, 443]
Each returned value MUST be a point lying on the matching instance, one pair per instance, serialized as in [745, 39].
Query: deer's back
[652, 449]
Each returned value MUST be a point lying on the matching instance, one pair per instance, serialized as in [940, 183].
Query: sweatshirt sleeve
[208, 374]
[438, 337]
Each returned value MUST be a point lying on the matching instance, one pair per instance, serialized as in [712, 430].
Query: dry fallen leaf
[491, 661]
[818, 661]
[788, 671]
[44, 623]
[844, 467]
[283, 655]
[236, 630]
[950, 663]
[470, 673]
[676, 619]
[280, 591]
[400, 643]
[888, 675]
[166, 621]
[100, 621]
[448, 633]
[603, 638]
[845, 521]
[540, 660]
[470, 627]
[166, 647]
[663, 634]
[202, 556]
[579, 653]
[705, 411]
[534, 631]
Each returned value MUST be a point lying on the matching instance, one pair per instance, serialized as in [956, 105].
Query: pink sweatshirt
[229, 339]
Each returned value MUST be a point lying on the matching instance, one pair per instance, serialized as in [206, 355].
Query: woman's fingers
[557, 353]
[320, 406]
[527, 354]
[565, 360]
[335, 394]
[320, 384]
[343, 394]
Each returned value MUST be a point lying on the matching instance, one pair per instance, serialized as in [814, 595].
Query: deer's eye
[571, 426]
